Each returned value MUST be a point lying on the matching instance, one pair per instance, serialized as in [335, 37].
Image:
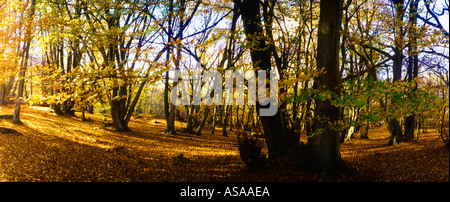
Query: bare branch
[435, 17]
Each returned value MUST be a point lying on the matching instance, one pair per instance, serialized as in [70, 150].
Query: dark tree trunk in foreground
[118, 110]
[324, 144]
[413, 64]
[394, 125]
[279, 139]
[167, 104]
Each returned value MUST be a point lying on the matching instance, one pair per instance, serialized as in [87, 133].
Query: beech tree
[324, 142]
[115, 37]
[278, 137]
[10, 39]
[24, 55]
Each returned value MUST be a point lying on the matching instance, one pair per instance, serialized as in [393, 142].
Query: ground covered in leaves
[52, 148]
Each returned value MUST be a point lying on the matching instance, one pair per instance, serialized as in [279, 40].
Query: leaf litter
[52, 148]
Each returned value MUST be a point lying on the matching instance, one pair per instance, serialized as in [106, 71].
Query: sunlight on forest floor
[63, 148]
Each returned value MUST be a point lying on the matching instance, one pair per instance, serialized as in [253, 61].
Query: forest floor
[52, 148]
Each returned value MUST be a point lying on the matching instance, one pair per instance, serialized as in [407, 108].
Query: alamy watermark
[212, 81]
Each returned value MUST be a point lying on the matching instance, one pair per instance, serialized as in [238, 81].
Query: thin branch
[435, 53]
[435, 17]
[367, 69]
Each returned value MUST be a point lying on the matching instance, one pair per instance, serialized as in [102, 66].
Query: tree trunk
[231, 117]
[166, 83]
[5, 89]
[83, 114]
[242, 123]
[324, 143]
[189, 118]
[225, 121]
[16, 118]
[279, 139]
[203, 122]
[118, 110]
[353, 116]
[394, 125]
[214, 119]
[24, 61]
[236, 120]
[171, 120]
[365, 133]
[413, 64]
[248, 123]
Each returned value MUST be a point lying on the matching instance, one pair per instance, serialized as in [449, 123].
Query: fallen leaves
[53, 148]
[425, 160]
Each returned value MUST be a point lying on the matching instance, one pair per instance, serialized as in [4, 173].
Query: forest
[224, 91]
